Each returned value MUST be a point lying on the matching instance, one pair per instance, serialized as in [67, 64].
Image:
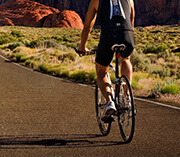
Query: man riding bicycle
[117, 22]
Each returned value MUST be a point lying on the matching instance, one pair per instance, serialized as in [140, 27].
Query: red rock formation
[6, 22]
[148, 12]
[29, 13]
[65, 18]
[157, 12]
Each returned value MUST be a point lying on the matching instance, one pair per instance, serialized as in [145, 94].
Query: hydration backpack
[115, 14]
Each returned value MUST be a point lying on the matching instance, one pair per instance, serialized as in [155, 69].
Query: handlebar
[82, 53]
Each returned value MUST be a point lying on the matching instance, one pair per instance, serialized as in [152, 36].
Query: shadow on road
[54, 141]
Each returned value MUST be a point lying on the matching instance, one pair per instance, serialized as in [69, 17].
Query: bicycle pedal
[110, 119]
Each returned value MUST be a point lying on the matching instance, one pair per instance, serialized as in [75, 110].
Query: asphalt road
[42, 115]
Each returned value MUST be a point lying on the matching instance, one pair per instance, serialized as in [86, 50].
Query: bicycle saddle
[118, 47]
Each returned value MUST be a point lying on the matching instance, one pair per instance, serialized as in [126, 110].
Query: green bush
[134, 84]
[91, 76]
[34, 43]
[16, 33]
[170, 89]
[79, 76]
[155, 48]
[152, 57]
[20, 57]
[12, 46]
[150, 49]
[7, 38]
[48, 44]
[160, 70]
[44, 67]
[140, 62]
[58, 38]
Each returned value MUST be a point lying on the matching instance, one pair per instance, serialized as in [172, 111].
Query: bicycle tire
[126, 112]
[100, 105]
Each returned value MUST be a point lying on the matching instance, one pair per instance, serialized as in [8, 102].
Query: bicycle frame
[117, 79]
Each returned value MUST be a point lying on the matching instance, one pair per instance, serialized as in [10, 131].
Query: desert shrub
[42, 44]
[164, 54]
[157, 87]
[48, 44]
[162, 47]
[34, 43]
[20, 57]
[65, 56]
[58, 38]
[64, 74]
[136, 77]
[25, 42]
[170, 89]
[21, 53]
[152, 57]
[66, 38]
[160, 70]
[44, 67]
[155, 49]
[79, 76]
[7, 38]
[134, 84]
[12, 46]
[139, 75]
[22, 49]
[16, 33]
[139, 61]
[70, 56]
[150, 49]
[146, 83]
[91, 76]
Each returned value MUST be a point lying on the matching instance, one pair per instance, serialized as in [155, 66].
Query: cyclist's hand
[82, 52]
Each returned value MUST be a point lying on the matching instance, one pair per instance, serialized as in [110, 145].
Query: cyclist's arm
[88, 24]
[132, 13]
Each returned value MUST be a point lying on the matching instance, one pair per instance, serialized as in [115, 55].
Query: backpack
[111, 14]
[115, 15]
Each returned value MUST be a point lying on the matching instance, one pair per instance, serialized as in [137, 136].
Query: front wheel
[126, 111]
[100, 107]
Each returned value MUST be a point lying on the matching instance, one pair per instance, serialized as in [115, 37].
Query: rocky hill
[29, 13]
[157, 12]
[148, 12]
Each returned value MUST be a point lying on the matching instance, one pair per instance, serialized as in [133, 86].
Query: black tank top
[115, 15]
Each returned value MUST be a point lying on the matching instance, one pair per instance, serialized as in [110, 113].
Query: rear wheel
[126, 111]
[100, 107]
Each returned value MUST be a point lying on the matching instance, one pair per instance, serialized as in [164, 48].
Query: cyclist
[117, 24]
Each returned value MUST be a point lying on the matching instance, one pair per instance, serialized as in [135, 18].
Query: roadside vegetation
[50, 50]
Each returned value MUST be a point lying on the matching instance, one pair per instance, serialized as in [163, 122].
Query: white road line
[157, 103]
[4, 58]
[16, 63]
[152, 102]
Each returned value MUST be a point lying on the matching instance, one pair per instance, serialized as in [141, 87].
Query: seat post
[117, 48]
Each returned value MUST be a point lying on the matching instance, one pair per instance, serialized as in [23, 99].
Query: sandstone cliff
[161, 12]
[29, 13]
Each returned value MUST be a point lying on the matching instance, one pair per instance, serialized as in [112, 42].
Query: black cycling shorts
[104, 53]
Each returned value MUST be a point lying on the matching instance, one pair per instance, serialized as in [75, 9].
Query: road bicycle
[122, 96]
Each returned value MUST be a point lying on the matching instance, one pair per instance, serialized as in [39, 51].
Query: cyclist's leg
[104, 56]
[126, 68]
[103, 81]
